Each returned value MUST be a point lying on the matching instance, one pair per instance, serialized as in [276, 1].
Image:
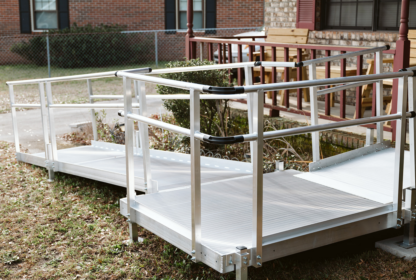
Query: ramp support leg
[409, 219]
[242, 261]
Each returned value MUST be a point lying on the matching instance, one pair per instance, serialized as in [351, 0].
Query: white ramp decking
[299, 212]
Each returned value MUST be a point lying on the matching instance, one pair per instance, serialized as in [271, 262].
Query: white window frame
[32, 17]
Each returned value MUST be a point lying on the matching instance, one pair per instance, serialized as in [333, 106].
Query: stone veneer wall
[282, 14]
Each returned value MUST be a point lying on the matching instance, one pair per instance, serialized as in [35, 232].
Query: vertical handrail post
[249, 82]
[273, 112]
[129, 150]
[257, 230]
[399, 149]
[358, 93]
[51, 117]
[343, 93]
[195, 175]
[14, 119]
[299, 78]
[93, 121]
[412, 129]
[144, 140]
[327, 76]
[48, 150]
[313, 91]
[379, 85]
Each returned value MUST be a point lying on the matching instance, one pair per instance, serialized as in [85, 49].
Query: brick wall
[9, 17]
[239, 13]
[280, 13]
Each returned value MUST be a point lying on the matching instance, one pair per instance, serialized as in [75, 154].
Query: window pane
[183, 5]
[365, 14]
[197, 5]
[183, 21]
[333, 14]
[197, 20]
[46, 20]
[348, 14]
[45, 5]
[388, 14]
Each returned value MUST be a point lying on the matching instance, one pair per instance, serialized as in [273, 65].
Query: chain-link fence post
[156, 58]
[48, 55]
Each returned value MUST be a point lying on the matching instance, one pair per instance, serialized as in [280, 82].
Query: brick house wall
[9, 17]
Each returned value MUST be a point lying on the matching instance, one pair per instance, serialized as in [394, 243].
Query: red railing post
[190, 47]
[286, 93]
[273, 112]
[230, 60]
[240, 59]
[210, 52]
[327, 76]
[219, 53]
[343, 93]
[401, 58]
[250, 58]
[358, 95]
[299, 78]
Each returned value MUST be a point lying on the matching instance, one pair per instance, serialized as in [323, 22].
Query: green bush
[215, 114]
[87, 46]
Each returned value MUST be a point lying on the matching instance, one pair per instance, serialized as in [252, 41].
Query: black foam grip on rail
[224, 90]
[223, 140]
[120, 113]
[257, 63]
[413, 114]
[387, 47]
[139, 70]
[299, 64]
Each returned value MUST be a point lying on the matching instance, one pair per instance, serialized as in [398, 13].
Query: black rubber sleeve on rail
[223, 90]
[413, 114]
[139, 70]
[297, 64]
[387, 47]
[223, 140]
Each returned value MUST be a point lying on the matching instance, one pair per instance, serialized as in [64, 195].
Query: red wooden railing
[226, 43]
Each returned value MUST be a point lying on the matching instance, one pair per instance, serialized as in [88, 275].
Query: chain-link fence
[39, 56]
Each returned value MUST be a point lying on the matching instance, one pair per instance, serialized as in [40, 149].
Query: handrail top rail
[285, 45]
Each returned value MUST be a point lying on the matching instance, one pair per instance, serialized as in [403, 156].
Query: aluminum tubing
[159, 124]
[325, 82]
[330, 126]
[92, 106]
[161, 81]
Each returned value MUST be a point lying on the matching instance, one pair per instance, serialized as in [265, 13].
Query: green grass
[63, 92]
[72, 229]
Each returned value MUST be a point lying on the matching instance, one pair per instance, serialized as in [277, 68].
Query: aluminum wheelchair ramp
[106, 162]
[293, 208]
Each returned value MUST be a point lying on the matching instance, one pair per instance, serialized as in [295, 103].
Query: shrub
[215, 114]
[87, 46]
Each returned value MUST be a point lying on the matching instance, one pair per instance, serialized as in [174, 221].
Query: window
[367, 14]
[45, 14]
[198, 14]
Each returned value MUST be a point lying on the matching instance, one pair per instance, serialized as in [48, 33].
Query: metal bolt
[193, 259]
[245, 262]
[245, 258]
[193, 252]
[259, 264]
[259, 257]
[230, 262]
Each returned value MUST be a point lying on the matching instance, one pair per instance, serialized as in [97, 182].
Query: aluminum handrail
[347, 86]
[157, 123]
[345, 55]
[92, 106]
[73, 77]
[25, 105]
[175, 96]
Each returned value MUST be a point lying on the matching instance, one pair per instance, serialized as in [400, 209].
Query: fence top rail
[280, 45]
[76, 77]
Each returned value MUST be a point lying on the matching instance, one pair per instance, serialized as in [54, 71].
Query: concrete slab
[392, 246]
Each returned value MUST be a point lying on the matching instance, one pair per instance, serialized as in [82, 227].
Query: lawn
[63, 92]
[72, 229]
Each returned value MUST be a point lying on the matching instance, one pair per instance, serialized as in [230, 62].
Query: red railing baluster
[286, 92]
[224, 53]
[328, 75]
[219, 53]
[299, 78]
[230, 60]
[358, 95]
[342, 99]
[240, 59]
[251, 58]
[273, 112]
[210, 52]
